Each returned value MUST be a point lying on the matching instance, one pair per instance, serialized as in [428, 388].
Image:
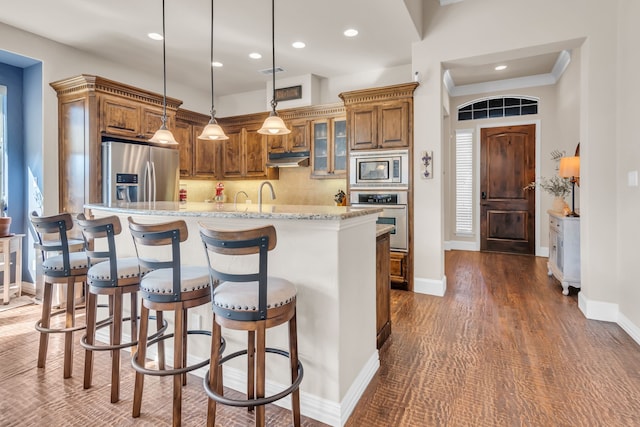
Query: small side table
[9, 245]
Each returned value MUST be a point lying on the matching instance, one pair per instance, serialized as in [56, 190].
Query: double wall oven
[381, 178]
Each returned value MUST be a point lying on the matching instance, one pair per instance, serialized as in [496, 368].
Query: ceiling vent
[269, 71]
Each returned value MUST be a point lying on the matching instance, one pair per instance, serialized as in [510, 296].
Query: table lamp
[570, 168]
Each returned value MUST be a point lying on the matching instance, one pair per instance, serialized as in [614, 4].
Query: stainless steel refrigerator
[139, 173]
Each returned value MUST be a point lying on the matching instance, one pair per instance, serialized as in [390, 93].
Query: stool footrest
[41, 328]
[252, 402]
[166, 372]
[108, 321]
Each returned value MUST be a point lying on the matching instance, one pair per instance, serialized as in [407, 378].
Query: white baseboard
[430, 286]
[326, 411]
[459, 245]
[629, 327]
[597, 310]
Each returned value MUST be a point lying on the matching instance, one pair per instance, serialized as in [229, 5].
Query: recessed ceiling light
[154, 36]
[351, 32]
[500, 67]
[255, 55]
[216, 64]
[298, 45]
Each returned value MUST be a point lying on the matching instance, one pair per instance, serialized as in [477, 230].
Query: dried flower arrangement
[556, 186]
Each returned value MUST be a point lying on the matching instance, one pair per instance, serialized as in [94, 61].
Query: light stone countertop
[383, 228]
[231, 210]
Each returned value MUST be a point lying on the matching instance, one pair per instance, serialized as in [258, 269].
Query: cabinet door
[151, 121]
[299, 139]
[363, 128]
[204, 160]
[320, 155]
[232, 154]
[339, 148]
[182, 132]
[383, 289]
[394, 125]
[398, 268]
[120, 117]
[255, 154]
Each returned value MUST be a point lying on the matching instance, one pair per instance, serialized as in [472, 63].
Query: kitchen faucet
[235, 197]
[273, 193]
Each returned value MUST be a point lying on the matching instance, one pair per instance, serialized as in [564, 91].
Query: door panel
[507, 211]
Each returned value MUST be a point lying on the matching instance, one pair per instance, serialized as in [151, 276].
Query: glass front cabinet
[329, 150]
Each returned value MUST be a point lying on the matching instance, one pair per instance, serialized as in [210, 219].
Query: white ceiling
[117, 30]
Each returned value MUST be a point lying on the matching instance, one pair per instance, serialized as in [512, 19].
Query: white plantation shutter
[464, 182]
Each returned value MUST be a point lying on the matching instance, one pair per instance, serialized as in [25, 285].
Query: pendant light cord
[213, 109]
[273, 53]
[164, 71]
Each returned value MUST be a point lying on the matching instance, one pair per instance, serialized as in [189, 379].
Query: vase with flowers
[557, 187]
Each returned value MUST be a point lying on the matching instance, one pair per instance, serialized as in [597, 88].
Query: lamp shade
[213, 131]
[273, 125]
[163, 136]
[569, 167]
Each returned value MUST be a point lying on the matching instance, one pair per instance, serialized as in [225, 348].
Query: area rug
[17, 302]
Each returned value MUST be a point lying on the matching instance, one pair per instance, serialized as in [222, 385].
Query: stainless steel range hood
[288, 160]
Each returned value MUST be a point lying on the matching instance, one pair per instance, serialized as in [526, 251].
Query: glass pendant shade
[273, 125]
[163, 136]
[213, 131]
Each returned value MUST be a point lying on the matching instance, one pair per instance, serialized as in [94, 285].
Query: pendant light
[164, 135]
[273, 125]
[212, 131]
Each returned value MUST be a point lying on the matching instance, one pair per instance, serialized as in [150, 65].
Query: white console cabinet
[564, 250]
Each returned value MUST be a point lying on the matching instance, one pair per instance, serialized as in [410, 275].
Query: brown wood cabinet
[329, 142]
[398, 269]
[380, 118]
[383, 289]
[92, 109]
[296, 142]
[199, 159]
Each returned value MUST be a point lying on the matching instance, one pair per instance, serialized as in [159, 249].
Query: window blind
[464, 182]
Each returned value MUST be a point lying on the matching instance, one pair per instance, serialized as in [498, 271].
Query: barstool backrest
[168, 234]
[99, 229]
[237, 243]
[55, 227]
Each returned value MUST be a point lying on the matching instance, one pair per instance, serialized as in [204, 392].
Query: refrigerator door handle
[147, 182]
[153, 180]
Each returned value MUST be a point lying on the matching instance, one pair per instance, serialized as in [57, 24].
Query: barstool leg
[251, 367]
[140, 359]
[177, 364]
[116, 339]
[134, 319]
[91, 307]
[159, 324]
[69, 322]
[293, 358]
[215, 371]
[260, 374]
[45, 322]
[184, 343]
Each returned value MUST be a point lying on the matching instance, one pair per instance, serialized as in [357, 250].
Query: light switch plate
[632, 179]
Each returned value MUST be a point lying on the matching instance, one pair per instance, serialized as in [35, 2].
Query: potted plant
[557, 187]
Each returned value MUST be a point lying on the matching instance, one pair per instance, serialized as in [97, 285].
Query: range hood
[288, 160]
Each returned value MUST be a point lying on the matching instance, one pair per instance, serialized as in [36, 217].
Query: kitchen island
[329, 253]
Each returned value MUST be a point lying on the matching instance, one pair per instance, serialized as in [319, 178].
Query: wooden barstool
[250, 302]
[114, 277]
[170, 286]
[68, 268]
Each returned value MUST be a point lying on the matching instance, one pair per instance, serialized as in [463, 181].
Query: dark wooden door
[507, 212]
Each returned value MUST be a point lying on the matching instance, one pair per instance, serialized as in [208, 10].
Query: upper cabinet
[92, 109]
[329, 154]
[198, 157]
[244, 155]
[380, 118]
[297, 141]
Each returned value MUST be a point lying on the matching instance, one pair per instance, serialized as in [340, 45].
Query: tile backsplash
[293, 188]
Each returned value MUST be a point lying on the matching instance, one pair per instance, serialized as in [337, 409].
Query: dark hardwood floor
[503, 347]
